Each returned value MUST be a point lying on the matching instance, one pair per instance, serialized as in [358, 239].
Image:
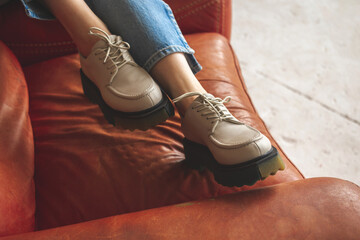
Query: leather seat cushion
[87, 169]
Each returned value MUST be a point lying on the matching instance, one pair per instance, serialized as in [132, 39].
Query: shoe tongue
[207, 95]
[103, 44]
[221, 108]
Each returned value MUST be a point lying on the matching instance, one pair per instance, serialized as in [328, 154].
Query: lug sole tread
[198, 157]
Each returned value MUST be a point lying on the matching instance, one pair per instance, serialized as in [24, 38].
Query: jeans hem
[160, 54]
[37, 11]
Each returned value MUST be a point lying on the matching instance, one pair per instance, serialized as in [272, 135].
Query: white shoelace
[114, 49]
[214, 106]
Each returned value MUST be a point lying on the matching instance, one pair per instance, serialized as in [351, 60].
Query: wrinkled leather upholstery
[84, 162]
[85, 169]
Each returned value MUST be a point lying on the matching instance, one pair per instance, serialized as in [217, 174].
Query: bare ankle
[184, 104]
[87, 45]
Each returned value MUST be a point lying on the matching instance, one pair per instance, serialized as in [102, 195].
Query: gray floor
[301, 63]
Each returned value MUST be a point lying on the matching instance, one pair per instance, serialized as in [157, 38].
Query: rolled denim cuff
[160, 54]
[35, 10]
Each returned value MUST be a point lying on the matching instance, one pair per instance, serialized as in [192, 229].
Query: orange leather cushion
[17, 196]
[87, 169]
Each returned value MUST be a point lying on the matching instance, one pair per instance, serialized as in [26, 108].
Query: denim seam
[172, 18]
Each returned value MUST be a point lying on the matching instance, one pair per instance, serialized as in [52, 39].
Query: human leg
[126, 93]
[76, 22]
[175, 76]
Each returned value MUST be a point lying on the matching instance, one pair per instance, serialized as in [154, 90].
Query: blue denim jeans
[148, 26]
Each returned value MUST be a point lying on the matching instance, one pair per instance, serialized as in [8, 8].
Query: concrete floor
[301, 63]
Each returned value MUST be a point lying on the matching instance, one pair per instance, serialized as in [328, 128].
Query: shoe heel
[89, 88]
[93, 94]
[193, 156]
[247, 176]
[271, 166]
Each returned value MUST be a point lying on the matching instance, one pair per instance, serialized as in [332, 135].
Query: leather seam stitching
[223, 17]
[218, 13]
[187, 6]
[50, 44]
[198, 9]
[32, 51]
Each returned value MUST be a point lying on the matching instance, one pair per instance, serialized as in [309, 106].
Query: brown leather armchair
[65, 173]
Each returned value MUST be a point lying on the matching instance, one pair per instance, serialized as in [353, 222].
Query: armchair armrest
[17, 192]
[319, 208]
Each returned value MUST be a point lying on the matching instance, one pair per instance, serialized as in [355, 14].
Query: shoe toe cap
[133, 104]
[231, 155]
[263, 144]
[133, 92]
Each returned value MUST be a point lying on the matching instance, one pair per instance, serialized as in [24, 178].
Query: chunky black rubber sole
[199, 157]
[142, 120]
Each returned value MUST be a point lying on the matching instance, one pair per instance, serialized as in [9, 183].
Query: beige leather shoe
[125, 92]
[236, 153]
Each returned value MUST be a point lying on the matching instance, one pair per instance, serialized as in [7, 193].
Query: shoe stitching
[115, 50]
[211, 104]
[108, 55]
[258, 148]
[147, 90]
[236, 144]
[132, 96]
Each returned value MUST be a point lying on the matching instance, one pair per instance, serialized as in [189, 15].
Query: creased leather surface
[33, 41]
[311, 209]
[17, 196]
[87, 169]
